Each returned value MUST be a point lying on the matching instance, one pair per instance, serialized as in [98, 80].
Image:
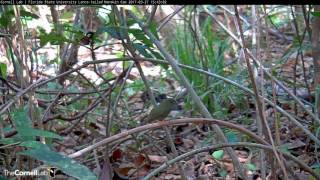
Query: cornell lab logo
[52, 171]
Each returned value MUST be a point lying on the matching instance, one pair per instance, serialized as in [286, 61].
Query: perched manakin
[162, 110]
[87, 39]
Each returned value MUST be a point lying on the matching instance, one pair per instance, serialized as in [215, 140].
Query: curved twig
[167, 123]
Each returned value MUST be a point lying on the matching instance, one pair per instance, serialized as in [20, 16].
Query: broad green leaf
[6, 141]
[139, 34]
[25, 129]
[136, 12]
[112, 31]
[34, 145]
[66, 15]
[67, 27]
[24, 13]
[276, 17]
[316, 165]
[156, 54]
[232, 137]
[119, 54]
[153, 29]
[53, 37]
[217, 154]
[159, 56]
[111, 17]
[22, 122]
[3, 70]
[142, 50]
[7, 129]
[31, 132]
[62, 162]
[80, 104]
[223, 173]
[53, 86]
[21, 119]
[250, 166]
[311, 178]
[7, 16]
[108, 75]
[317, 170]
[115, 128]
[316, 13]
[54, 61]
[284, 148]
[130, 22]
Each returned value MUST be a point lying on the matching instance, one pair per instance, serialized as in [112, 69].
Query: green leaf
[232, 137]
[130, 22]
[156, 54]
[3, 70]
[142, 49]
[317, 170]
[310, 177]
[6, 141]
[21, 119]
[112, 31]
[119, 54]
[62, 162]
[22, 122]
[284, 148]
[223, 173]
[315, 165]
[316, 13]
[250, 166]
[153, 29]
[53, 86]
[139, 34]
[31, 132]
[108, 75]
[217, 154]
[24, 13]
[53, 37]
[7, 16]
[34, 145]
[66, 15]
[25, 129]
